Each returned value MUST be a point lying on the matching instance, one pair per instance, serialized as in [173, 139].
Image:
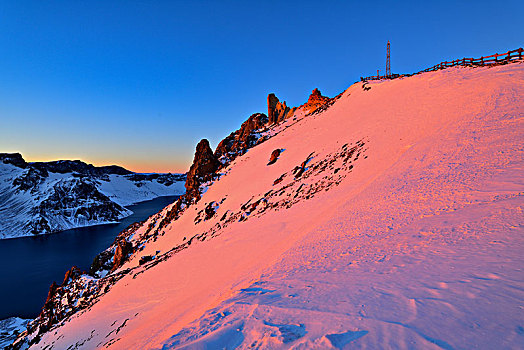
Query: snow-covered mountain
[387, 217]
[45, 197]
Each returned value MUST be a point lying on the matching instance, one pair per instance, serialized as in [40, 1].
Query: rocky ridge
[80, 289]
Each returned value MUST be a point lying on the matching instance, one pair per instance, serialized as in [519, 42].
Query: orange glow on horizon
[137, 166]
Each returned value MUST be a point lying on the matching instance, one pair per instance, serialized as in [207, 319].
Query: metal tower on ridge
[388, 64]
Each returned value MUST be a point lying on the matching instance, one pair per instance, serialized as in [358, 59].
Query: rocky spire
[315, 96]
[276, 110]
[204, 166]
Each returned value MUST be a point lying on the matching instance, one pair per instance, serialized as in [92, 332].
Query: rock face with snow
[238, 142]
[10, 328]
[397, 220]
[45, 197]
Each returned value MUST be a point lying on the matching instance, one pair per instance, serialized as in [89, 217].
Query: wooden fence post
[482, 60]
[520, 53]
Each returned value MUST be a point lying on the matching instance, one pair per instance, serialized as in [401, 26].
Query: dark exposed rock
[274, 156]
[14, 159]
[144, 259]
[276, 110]
[39, 225]
[238, 142]
[206, 164]
[47, 316]
[30, 179]
[174, 213]
[279, 180]
[51, 293]
[106, 259]
[210, 210]
[122, 252]
[72, 274]
[203, 168]
[101, 262]
[255, 122]
[299, 170]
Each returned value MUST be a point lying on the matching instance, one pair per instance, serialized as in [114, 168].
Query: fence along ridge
[497, 58]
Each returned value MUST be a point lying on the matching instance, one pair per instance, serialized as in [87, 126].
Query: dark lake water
[29, 265]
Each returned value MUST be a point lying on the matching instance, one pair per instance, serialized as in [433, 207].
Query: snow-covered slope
[393, 219]
[10, 328]
[38, 198]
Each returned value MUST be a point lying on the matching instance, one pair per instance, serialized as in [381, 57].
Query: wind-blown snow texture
[34, 200]
[391, 220]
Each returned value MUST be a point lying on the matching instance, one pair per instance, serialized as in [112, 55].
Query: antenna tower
[388, 64]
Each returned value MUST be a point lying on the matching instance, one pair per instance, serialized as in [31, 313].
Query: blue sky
[139, 83]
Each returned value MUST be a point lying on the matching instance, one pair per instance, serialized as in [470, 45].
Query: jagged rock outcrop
[255, 122]
[30, 179]
[72, 274]
[101, 262]
[276, 110]
[122, 252]
[315, 102]
[47, 310]
[119, 252]
[49, 314]
[203, 168]
[238, 142]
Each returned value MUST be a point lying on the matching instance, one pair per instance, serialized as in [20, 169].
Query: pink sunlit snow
[404, 231]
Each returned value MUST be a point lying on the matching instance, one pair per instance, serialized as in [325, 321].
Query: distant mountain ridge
[46, 197]
[64, 166]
